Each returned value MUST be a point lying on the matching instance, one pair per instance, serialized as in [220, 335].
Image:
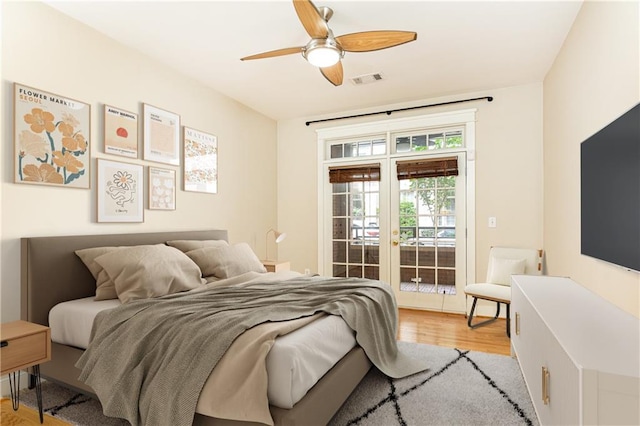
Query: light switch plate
[492, 222]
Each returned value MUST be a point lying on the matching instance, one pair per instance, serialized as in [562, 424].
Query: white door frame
[465, 118]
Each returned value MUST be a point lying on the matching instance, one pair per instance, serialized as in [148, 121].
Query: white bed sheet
[71, 321]
[295, 363]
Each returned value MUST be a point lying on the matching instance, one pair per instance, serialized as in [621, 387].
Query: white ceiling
[461, 47]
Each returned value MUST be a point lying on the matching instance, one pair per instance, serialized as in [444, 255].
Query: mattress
[295, 363]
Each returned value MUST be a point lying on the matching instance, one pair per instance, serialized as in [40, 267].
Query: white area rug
[460, 388]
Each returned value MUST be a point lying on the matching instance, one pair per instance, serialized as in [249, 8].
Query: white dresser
[579, 354]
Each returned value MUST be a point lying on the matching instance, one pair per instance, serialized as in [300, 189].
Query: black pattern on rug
[493, 384]
[76, 399]
[70, 406]
[393, 397]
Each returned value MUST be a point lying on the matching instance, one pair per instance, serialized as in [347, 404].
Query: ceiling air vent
[367, 78]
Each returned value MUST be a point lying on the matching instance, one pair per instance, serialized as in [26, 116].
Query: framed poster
[161, 135]
[200, 161]
[162, 189]
[51, 139]
[120, 192]
[120, 132]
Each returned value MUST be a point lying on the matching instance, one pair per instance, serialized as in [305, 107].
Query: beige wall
[47, 50]
[594, 79]
[508, 173]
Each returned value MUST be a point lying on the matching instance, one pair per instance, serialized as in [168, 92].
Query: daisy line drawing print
[121, 188]
[120, 191]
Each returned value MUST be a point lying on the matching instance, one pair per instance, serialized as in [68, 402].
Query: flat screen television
[610, 192]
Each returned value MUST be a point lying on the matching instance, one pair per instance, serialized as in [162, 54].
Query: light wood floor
[451, 330]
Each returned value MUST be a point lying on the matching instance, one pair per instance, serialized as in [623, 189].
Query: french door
[428, 232]
[397, 206]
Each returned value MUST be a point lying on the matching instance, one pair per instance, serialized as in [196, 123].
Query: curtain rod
[389, 112]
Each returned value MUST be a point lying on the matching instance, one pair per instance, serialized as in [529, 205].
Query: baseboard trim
[6, 390]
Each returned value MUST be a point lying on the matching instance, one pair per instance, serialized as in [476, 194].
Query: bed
[51, 273]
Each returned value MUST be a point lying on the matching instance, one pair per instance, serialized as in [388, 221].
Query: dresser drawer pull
[545, 385]
[4, 343]
[517, 323]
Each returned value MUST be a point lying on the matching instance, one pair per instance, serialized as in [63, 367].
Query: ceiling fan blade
[367, 41]
[334, 73]
[311, 19]
[273, 53]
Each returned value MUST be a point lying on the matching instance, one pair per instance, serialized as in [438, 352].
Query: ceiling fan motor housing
[323, 52]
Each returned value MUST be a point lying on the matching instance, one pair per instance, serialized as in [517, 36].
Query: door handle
[395, 242]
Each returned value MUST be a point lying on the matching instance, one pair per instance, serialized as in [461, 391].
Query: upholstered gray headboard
[52, 273]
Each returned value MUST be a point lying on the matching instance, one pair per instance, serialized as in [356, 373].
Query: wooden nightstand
[275, 266]
[24, 345]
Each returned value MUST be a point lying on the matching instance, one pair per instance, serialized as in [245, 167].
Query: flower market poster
[51, 137]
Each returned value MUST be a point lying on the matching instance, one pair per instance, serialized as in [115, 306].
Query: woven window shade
[415, 169]
[365, 173]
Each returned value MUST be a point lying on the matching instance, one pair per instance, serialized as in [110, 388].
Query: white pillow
[142, 272]
[502, 269]
[226, 261]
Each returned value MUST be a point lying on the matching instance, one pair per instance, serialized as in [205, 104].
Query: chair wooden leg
[473, 308]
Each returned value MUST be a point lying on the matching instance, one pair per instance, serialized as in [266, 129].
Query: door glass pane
[447, 256]
[339, 228]
[427, 278]
[350, 149]
[339, 270]
[419, 143]
[372, 272]
[427, 231]
[403, 144]
[408, 255]
[408, 279]
[379, 147]
[356, 230]
[454, 139]
[355, 271]
[436, 141]
[340, 205]
[425, 140]
[360, 148]
[427, 256]
[355, 254]
[364, 149]
[336, 151]
[371, 254]
[339, 188]
[340, 251]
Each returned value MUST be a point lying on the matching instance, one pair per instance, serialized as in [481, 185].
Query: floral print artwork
[51, 142]
[200, 161]
[162, 189]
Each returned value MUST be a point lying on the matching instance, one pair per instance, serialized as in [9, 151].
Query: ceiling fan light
[323, 56]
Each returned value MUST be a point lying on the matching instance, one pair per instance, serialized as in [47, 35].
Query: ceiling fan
[324, 50]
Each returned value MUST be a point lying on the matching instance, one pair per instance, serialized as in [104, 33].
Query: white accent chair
[503, 262]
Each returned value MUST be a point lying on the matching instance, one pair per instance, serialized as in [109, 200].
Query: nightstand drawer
[28, 347]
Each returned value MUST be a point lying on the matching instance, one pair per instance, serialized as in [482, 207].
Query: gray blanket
[149, 359]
